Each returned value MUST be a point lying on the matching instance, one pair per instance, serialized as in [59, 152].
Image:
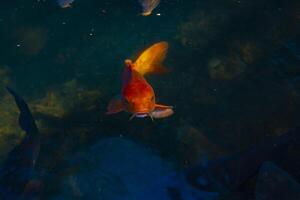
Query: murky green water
[233, 80]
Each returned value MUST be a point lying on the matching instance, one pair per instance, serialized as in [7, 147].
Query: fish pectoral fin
[115, 105]
[162, 111]
[162, 107]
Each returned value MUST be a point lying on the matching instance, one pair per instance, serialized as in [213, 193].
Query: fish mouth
[141, 115]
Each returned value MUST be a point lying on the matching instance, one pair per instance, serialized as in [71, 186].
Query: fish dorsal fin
[150, 61]
[115, 105]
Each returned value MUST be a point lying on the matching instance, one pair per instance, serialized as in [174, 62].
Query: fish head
[139, 98]
[128, 63]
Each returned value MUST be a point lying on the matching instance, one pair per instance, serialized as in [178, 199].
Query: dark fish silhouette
[228, 174]
[16, 173]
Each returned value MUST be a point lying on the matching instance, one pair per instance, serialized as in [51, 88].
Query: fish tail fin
[26, 120]
[147, 13]
[150, 61]
[18, 168]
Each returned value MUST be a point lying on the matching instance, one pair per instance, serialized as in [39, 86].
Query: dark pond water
[233, 79]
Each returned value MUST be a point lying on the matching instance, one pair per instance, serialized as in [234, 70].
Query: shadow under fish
[17, 172]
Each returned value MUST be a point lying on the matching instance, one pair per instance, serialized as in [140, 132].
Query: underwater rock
[50, 105]
[68, 116]
[113, 168]
[70, 106]
[10, 132]
[69, 97]
[119, 169]
[275, 184]
[172, 187]
[201, 28]
[194, 145]
[4, 78]
[248, 51]
[226, 68]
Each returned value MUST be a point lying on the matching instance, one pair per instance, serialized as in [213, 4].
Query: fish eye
[126, 101]
[152, 98]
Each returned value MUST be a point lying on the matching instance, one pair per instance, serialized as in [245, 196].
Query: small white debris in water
[18, 45]
[158, 14]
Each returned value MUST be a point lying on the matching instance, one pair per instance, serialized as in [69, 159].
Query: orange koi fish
[137, 95]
